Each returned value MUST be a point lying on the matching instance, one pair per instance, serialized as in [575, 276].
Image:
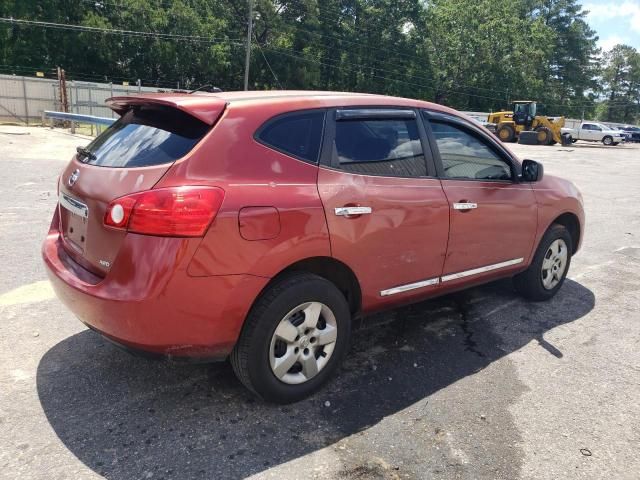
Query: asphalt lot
[477, 385]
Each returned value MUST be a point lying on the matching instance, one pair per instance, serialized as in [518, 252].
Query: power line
[197, 38]
[281, 52]
[335, 66]
[400, 65]
[113, 31]
[100, 78]
[352, 42]
[268, 64]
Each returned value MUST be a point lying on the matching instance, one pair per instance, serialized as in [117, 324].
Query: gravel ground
[476, 385]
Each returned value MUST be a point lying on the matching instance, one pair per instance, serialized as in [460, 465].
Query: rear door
[130, 156]
[493, 216]
[387, 215]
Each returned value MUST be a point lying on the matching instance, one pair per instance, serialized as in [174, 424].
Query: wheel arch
[571, 222]
[337, 272]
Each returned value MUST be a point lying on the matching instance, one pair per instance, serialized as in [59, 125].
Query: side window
[297, 134]
[597, 128]
[587, 126]
[467, 156]
[387, 147]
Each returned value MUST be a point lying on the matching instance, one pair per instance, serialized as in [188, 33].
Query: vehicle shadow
[126, 417]
[597, 145]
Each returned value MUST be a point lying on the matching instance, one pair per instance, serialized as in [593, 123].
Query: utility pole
[248, 55]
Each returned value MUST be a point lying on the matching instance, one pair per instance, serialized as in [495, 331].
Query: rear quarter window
[297, 134]
[146, 136]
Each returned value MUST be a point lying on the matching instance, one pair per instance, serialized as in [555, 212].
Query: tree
[470, 55]
[621, 84]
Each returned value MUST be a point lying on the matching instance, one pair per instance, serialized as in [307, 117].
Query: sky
[615, 21]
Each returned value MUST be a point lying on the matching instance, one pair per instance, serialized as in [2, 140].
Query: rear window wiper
[85, 153]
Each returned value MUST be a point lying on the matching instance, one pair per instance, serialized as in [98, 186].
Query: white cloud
[627, 11]
[611, 41]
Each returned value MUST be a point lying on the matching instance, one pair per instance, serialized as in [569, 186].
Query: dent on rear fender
[302, 234]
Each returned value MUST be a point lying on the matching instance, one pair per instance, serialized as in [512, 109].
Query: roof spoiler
[206, 108]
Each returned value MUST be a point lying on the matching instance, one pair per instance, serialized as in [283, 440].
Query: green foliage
[471, 55]
[621, 82]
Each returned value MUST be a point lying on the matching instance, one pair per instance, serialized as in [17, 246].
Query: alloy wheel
[554, 264]
[303, 343]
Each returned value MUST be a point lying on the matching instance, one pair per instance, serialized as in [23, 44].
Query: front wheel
[607, 140]
[544, 136]
[548, 270]
[294, 338]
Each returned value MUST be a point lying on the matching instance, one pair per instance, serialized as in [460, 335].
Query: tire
[574, 140]
[506, 133]
[608, 140]
[533, 284]
[286, 306]
[544, 136]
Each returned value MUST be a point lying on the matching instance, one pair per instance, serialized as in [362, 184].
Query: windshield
[145, 136]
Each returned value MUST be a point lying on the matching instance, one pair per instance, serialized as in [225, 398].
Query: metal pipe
[26, 103]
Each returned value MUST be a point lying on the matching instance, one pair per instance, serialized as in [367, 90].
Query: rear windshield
[145, 136]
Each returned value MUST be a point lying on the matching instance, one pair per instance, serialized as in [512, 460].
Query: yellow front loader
[523, 118]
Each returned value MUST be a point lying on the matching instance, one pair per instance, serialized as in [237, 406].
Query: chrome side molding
[476, 271]
[409, 286]
[451, 276]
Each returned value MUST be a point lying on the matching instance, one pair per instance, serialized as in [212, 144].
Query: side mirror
[532, 171]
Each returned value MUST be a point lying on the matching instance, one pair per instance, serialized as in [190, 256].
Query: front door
[591, 132]
[493, 216]
[387, 214]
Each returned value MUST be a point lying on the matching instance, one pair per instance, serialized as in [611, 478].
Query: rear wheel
[294, 338]
[506, 133]
[548, 270]
[607, 140]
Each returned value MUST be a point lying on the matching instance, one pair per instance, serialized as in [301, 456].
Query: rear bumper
[148, 301]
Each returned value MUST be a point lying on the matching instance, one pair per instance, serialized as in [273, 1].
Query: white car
[595, 132]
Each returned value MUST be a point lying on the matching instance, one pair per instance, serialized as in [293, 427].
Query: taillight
[171, 212]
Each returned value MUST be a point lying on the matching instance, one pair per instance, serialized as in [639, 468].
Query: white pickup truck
[595, 132]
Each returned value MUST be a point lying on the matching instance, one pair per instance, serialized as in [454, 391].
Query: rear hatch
[130, 156]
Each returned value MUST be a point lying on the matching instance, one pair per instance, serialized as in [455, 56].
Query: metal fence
[24, 99]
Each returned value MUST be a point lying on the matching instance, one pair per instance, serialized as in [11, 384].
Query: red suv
[257, 225]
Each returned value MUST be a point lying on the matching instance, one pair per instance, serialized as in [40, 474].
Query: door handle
[352, 211]
[465, 206]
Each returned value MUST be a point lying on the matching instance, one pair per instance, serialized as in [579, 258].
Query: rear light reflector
[170, 212]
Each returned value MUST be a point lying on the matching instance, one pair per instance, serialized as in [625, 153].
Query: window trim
[346, 114]
[380, 112]
[476, 132]
[291, 113]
